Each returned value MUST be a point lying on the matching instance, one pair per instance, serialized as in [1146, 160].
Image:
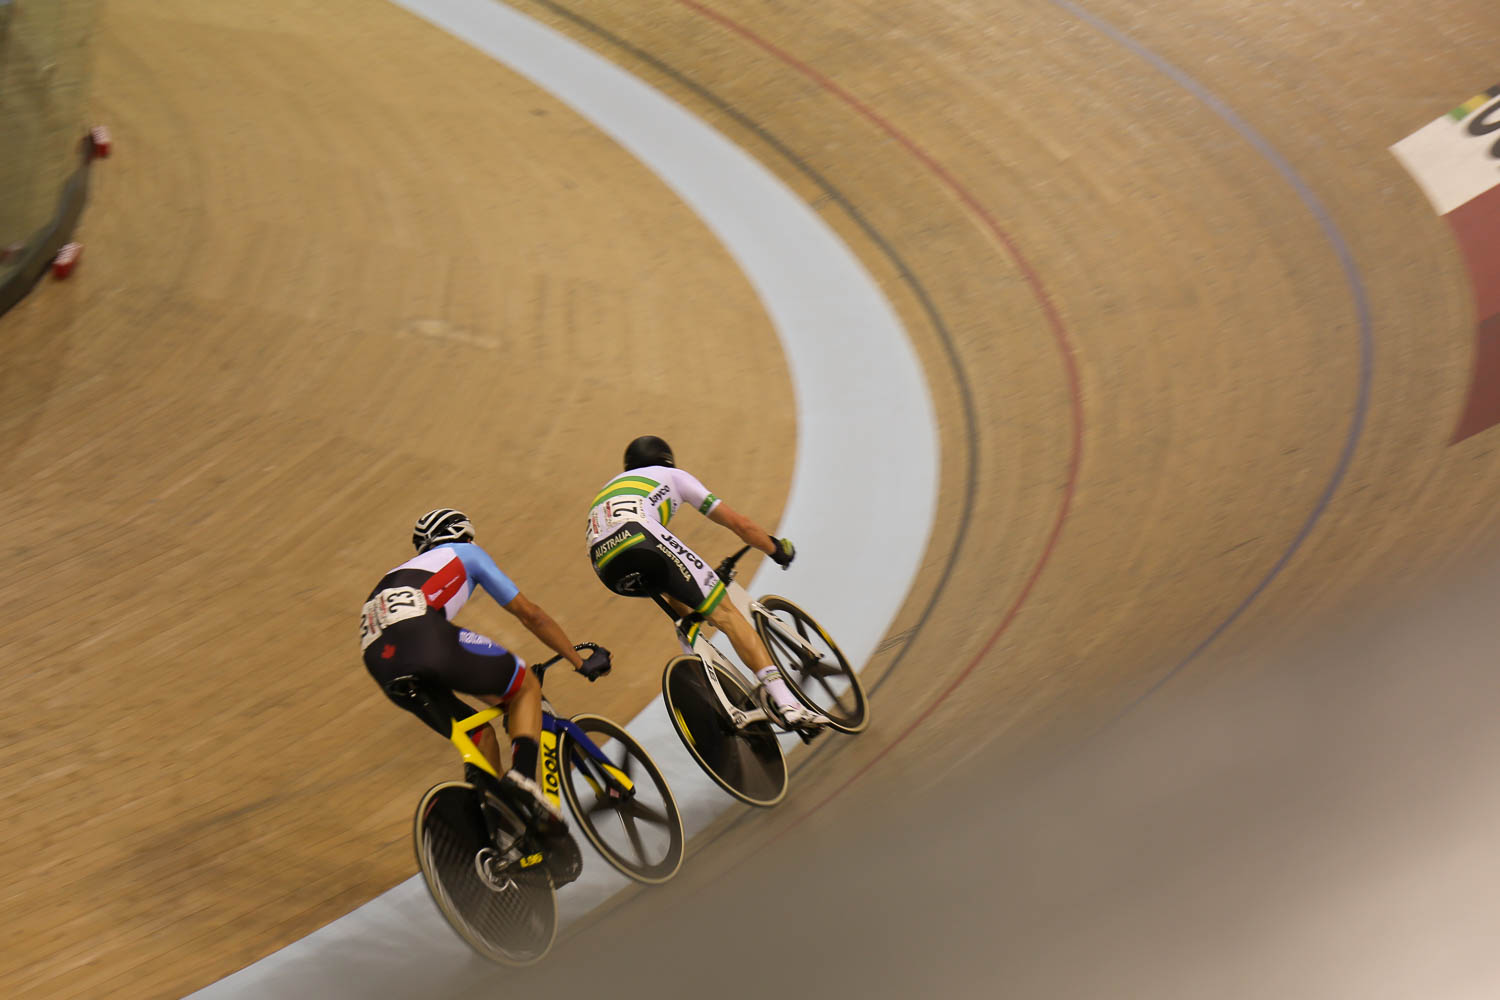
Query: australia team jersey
[651, 493]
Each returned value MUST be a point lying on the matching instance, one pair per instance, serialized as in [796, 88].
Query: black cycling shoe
[563, 859]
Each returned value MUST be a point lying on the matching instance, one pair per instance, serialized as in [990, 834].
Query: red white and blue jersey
[447, 575]
[439, 580]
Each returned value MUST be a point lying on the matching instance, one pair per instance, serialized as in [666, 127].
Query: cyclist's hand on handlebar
[785, 552]
[596, 665]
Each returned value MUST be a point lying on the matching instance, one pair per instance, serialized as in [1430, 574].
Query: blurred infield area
[1321, 826]
[45, 71]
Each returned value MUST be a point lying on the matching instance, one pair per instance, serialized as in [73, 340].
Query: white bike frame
[702, 646]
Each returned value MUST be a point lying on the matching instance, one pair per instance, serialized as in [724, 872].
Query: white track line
[862, 499]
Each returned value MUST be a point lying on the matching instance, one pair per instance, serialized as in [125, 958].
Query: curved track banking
[825, 308]
[987, 220]
[1356, 302]
[1032, 279]
[1358, 299]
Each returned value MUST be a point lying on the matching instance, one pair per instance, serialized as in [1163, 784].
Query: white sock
[776, 687]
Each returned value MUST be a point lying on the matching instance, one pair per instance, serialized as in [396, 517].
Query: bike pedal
[546, 825]
[808, 735]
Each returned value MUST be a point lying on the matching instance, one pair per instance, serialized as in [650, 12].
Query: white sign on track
[1456, 158]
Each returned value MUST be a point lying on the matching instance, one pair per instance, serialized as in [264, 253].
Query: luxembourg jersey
[443, 577]
[650, 493]
[456, 568]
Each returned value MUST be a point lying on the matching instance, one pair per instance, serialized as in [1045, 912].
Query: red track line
[1054, 323]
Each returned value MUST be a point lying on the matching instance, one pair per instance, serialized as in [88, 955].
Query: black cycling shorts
[450, 658]
[639, 560]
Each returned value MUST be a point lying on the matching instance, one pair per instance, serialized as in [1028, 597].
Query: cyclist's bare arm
[541, 625]
[750, 533]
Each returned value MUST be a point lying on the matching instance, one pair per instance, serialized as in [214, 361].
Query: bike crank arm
[742, 719]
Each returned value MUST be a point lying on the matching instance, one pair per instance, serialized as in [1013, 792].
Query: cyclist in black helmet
[630, 546]
[406, 629]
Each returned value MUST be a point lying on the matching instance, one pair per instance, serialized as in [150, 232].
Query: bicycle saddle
[406, 686]
[411, 688]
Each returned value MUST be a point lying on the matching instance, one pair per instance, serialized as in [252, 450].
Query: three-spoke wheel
[747, 763]
[633, 823]
[812, 664]
[494, 892]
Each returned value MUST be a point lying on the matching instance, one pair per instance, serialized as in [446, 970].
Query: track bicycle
[491, 876]
[725, 722]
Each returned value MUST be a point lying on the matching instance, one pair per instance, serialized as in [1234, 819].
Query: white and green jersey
[651, 493]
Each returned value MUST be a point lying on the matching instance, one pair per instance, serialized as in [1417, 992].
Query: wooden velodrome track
[1195, 388]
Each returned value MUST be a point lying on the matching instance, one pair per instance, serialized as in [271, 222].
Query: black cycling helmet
[648, 450]
[438, 526]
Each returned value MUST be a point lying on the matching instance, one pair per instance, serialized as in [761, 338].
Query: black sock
[523, 756]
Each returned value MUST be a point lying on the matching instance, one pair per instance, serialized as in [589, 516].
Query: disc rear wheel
[495, 893]
[747, 763]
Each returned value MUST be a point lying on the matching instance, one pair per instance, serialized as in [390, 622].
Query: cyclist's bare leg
[753, 653]
[523, 720]
[523, 712]
[727, 619]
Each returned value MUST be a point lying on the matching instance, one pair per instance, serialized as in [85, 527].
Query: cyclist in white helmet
[631, 549]
[406, 629]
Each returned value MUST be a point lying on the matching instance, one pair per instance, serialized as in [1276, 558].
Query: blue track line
[1352, 277]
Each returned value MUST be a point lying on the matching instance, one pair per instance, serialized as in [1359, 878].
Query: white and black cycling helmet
[439, 526]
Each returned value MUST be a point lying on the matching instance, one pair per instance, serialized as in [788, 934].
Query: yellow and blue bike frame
[602, 776]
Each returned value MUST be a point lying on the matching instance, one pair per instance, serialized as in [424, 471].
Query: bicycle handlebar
[726, 568]
[541, 668]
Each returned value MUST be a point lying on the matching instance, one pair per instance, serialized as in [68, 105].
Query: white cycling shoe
[799, 716]
[793, 715]
[777, 699]
[548, 817]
